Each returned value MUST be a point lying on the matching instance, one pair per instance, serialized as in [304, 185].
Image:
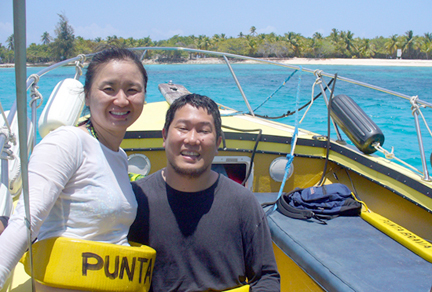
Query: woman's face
[116, 96]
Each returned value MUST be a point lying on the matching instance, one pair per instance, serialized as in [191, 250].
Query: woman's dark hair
[108, 55]
[197, 101]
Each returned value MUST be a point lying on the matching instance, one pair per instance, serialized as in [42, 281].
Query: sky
[162, 19]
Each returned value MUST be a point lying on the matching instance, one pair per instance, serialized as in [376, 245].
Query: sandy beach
[360, 62]
[306, 61]
[297, 61]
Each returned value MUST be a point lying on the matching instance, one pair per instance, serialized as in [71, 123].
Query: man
[210, 233]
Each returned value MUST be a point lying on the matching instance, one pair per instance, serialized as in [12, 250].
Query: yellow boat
[387, 248]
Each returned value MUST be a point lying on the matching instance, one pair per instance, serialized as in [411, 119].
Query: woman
[78, 179]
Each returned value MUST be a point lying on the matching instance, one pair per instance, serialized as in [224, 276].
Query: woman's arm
[50, 167]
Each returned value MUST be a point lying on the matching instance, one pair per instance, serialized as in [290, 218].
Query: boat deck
[334, 254]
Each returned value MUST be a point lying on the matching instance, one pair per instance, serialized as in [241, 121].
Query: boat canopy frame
[416, 103]
[414, 100]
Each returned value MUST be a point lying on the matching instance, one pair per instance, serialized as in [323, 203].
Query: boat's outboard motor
[354, 122]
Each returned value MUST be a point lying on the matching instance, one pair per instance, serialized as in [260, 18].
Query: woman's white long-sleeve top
[78, 188]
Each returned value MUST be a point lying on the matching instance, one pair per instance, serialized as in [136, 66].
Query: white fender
[63, 107]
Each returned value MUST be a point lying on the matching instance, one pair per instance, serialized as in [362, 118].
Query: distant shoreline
[288, 61]
[310, 61]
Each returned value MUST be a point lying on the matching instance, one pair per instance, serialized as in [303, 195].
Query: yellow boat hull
[375, 180]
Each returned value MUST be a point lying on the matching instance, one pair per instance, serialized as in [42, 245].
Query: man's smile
[190, 153]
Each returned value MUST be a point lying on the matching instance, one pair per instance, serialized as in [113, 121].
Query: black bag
[324, 202]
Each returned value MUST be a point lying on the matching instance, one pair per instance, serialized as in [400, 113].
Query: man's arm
[261, 267]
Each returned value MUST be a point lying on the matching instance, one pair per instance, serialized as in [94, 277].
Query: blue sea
[392, 114]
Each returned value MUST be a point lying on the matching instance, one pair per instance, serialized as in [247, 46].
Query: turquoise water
[392, 114]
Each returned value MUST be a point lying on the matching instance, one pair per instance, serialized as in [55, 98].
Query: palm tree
[203, 43]
[317, 36]
[366, 49]
[10, 40]
[206, 42]
[272, 37]
[262, 36]
[252, 45]
[214, 42]
[253, 30]
[116, 41]
[294, 41]
[409, 42]
[334, 35]
[46, 38]
[111, 38]
[145, 42]
[426, 46]
[316, 44]
[392, 44]
[349, 41]
[130, 42]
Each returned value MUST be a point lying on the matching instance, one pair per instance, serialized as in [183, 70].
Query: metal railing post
[327, 103]
[239, 86]
[420, 141]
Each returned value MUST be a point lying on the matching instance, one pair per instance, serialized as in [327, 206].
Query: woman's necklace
[91, 129]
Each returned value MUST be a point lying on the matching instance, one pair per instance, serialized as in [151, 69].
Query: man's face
[190, 143]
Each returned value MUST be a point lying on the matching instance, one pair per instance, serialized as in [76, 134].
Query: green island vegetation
[339, 44]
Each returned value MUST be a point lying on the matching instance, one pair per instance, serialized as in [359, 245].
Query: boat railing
[415, 101]
[4, 140]
[294, 67]
[31, 85]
